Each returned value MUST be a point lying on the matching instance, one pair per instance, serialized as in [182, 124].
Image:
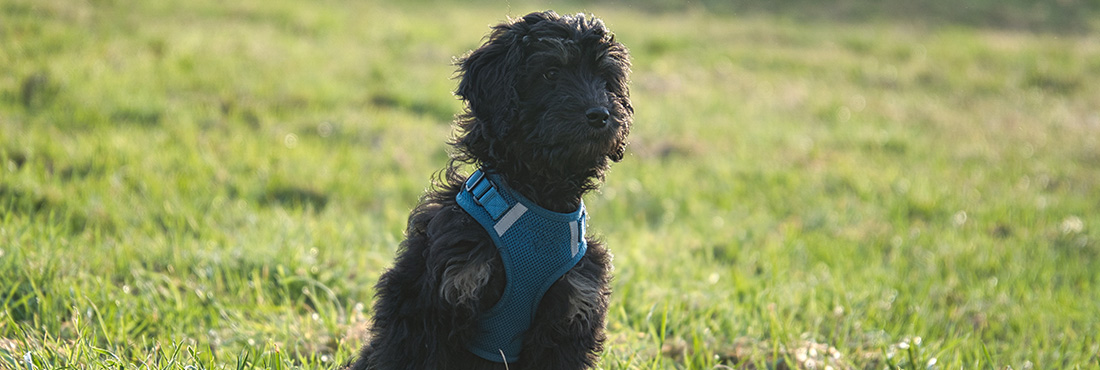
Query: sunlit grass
[207, 185]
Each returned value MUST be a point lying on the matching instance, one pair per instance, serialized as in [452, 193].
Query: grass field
[209, 185]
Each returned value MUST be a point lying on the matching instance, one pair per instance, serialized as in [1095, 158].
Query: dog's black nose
[597, 117]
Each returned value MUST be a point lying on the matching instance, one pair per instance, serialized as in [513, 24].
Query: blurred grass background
[845, 184]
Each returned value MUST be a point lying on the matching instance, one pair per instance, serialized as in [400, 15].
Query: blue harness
[537, 247]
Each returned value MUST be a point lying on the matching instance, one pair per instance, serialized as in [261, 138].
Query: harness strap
[486, 195]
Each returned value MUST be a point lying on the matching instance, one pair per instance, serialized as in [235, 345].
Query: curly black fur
[548, 108]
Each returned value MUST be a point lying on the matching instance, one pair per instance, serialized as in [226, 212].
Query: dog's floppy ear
[488, 79]
[488, 86]
[620, 147]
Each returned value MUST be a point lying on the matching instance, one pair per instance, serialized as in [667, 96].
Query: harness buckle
[479, 187]
[484, 193]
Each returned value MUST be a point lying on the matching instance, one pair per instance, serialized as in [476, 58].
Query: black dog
[547, 110]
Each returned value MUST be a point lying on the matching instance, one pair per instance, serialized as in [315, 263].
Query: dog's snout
[597, 117]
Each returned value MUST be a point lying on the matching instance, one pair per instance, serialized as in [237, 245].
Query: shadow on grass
[295, 197]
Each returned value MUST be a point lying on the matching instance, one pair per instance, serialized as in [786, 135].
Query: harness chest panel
[537, 246]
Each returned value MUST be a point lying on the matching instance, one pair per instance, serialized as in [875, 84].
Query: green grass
[201, 185]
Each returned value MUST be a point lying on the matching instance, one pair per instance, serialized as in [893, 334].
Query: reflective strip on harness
[573, 231]
[510, 218]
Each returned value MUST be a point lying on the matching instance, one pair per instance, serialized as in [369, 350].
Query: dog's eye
[550, 74]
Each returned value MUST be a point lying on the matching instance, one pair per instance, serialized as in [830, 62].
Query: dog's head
[548, 93]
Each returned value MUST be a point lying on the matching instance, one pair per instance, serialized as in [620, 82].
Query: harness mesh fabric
[537, 246]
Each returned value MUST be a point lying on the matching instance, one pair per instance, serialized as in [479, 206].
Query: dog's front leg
[568, 329]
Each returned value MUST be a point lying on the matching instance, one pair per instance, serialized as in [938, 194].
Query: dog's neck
[553, 190]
